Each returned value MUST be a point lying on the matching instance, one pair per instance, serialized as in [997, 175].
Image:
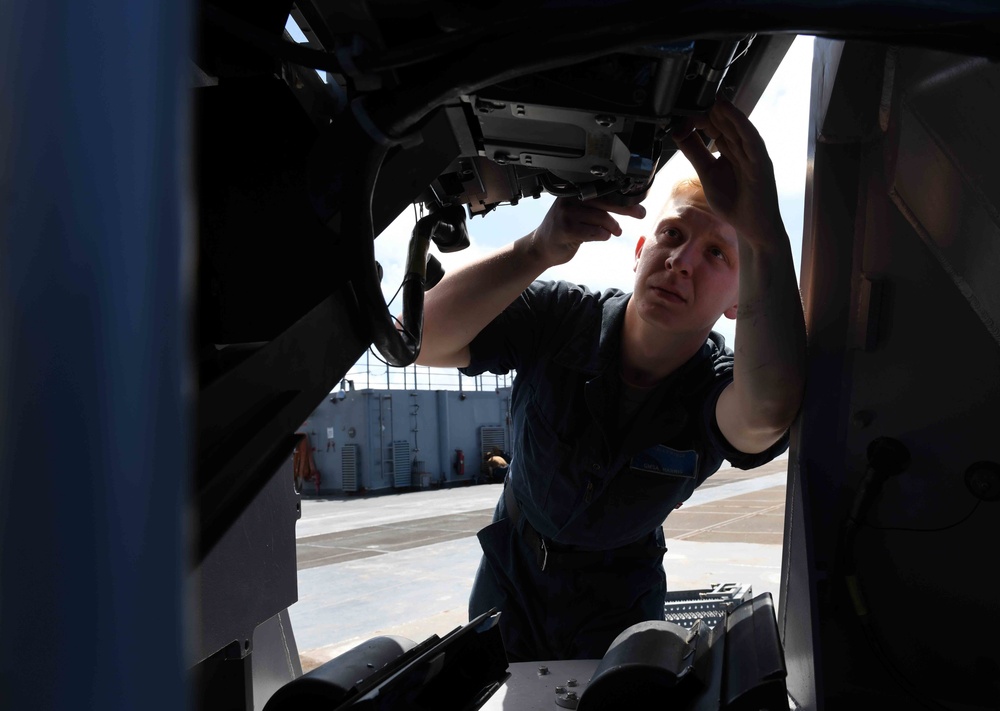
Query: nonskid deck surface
[403, 563]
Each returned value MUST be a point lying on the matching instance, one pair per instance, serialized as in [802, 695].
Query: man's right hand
[570, 222]
[467, 299]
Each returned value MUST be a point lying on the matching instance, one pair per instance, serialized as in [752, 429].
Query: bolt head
[599, 170]
[604, 120]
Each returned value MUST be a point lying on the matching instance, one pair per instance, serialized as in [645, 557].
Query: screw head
[571, 682]
[604, 120]
[599, 170]
[543, 670]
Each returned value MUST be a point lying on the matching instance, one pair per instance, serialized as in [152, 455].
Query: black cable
[400, 348]
[887, 457]
[375, 353]
[402, 328]
[371, 345]
[389, 302]
[749, 40]
[924, 530]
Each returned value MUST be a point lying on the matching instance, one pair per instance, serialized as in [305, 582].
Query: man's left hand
[739, 182]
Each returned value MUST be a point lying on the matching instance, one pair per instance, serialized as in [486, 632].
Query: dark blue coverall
[584, 559]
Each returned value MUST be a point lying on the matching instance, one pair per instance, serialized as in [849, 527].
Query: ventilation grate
[490, 437]
[401, 468]
[349, 467]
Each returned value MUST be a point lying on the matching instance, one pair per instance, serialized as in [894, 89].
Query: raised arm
[467, 299]
[769, 369]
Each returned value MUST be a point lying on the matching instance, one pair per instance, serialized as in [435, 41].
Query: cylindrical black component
[888, 456]
[449, 232]
[333, 683]
[648, 660]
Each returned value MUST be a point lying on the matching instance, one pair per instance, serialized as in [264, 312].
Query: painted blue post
[94, 322]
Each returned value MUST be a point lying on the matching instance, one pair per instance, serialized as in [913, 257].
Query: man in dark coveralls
[624, 403]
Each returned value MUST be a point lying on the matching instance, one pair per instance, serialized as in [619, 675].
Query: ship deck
[403, 563]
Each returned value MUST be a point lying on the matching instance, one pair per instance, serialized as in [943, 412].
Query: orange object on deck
[303, 464]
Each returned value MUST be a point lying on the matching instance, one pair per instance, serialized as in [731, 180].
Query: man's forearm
[769, 368]
[466, 300]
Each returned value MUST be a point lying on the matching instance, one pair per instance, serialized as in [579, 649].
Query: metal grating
[711, 605]
[709, 612]
[349, 467]
[490, 437]
[402, 474]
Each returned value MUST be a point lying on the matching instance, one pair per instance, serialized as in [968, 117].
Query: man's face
[687, 272]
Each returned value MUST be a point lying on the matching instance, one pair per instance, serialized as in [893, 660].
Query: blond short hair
[689, 189]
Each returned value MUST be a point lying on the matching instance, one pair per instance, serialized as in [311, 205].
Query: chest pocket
[664, 477]
[658, 479]
[641, 495]
[663, 461]
[654, 482]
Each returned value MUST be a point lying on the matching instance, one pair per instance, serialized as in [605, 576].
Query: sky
[781, 117]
